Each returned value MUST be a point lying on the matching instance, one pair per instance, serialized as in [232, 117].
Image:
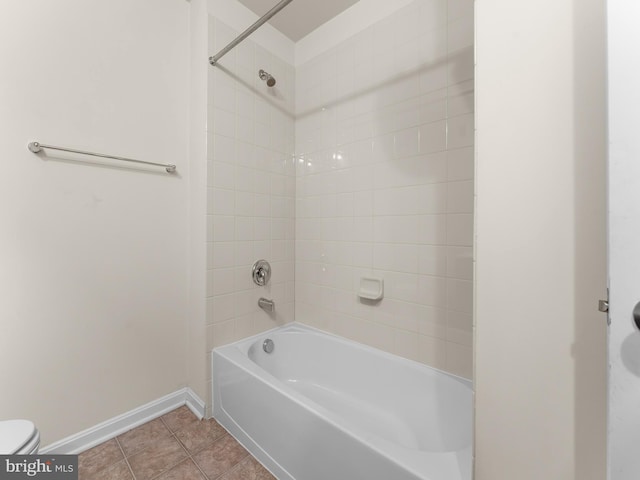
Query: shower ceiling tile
[300, 17]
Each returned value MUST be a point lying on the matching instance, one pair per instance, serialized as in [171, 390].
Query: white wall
[197, 351]
[93, 255]
[540, 343]
[624, 254]
[362, 14]
[384, 141]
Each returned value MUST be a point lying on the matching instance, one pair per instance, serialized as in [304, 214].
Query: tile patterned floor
[176, 446]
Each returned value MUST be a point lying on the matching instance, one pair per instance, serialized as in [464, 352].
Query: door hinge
[603, 306]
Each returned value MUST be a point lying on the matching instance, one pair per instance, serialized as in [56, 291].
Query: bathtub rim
[247, 342]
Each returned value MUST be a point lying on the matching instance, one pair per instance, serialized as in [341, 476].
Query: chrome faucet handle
[261, 272]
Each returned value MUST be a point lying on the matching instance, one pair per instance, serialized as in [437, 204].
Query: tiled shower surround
[251, 189]
[378, 182]
[384, 142]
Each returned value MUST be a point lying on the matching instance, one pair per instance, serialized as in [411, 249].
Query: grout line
[133, 475]
[186, 450]
[190, 457]
[236, 466]
[168, 469]
[204, 475]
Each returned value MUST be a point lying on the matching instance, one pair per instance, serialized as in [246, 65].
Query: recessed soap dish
[371, 288]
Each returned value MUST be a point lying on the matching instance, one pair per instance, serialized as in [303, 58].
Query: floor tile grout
[173, 434]
[133, 475]
[181, 424]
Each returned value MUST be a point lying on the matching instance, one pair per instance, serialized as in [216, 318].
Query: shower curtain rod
[213, 60]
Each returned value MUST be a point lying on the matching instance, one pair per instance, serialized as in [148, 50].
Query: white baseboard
[122, 423]
[195, 403]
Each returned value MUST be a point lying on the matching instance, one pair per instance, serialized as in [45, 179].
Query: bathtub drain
[267, 345]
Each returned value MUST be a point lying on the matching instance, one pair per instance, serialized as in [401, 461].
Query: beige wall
[93, 258]
[196, 355]
[540, 344]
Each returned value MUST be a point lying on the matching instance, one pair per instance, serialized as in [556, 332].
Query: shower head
[267, 78]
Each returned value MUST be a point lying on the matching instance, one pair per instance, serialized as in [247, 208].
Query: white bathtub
[320, 407]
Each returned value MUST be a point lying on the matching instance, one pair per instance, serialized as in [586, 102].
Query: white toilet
[18, 437]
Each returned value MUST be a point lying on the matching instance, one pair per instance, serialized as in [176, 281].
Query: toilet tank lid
[14, 434]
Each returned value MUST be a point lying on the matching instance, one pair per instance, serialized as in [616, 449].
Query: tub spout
[267, 305]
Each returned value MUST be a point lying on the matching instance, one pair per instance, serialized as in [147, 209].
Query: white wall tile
[460, 295]
[433, 229]
[460, 263]
[460, 164]
[407, 143]
[433, 13]
[460, 66]
[407, 344]
[434, 77]
[433, 137]
[241, 281]
[414, 200]
[221, 281]
[245, 54]
[401, 286]
[222, 255]
[459, 8]
[383, 148]
[433, 291]
[244, 253]
[224, 123]
[396, 229]
[262, 229]
[460, 131]
[220, 308]
[223, 92]
[243, 204]
[221, 202]
[397, 258]
[252, 189]
[460, 327]
[222, 228]
[279, 250]
[433, 260]
[223, 149]
[433, 109]
[460, 33]
[222, 175]
[461, 103]
[245, 99]
[433, 323]
[363, 255]
[460, 197]
[244, 129]
[459, 359]
[433, 351]
[460, 229]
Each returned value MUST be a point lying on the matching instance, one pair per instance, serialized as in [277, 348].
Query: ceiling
[300, 17]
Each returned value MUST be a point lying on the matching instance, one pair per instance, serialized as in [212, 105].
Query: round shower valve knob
[261, 272]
